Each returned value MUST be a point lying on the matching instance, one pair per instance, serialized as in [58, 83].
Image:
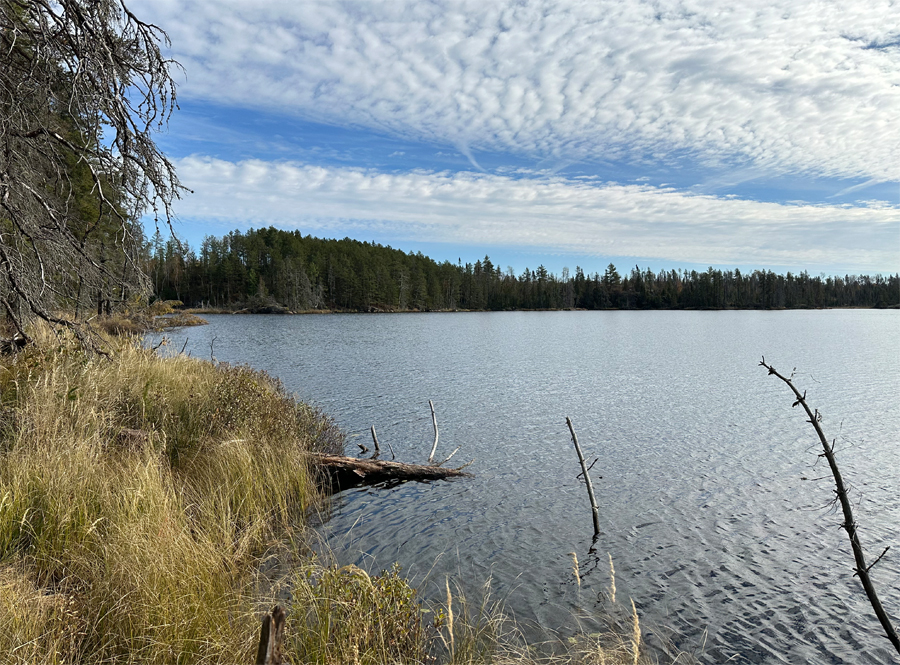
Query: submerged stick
[434, 422]
[375, 440]
[849, 525]
[587, 479]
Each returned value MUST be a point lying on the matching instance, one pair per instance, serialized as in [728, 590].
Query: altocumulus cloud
[570, 216]
[792, 86]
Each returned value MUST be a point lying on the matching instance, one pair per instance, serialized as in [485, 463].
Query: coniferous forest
[274, 270]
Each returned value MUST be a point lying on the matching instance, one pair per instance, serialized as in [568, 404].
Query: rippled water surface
[701, 462]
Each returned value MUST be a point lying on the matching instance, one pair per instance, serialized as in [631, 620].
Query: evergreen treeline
[263, 267]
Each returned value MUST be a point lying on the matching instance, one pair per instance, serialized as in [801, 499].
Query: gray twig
[433, 422]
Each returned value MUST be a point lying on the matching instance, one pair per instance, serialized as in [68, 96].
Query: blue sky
[569, 133]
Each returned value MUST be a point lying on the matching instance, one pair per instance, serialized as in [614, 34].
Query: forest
[270, 270]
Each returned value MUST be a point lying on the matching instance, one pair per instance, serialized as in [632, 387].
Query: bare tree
[83, 89]
[849, 524]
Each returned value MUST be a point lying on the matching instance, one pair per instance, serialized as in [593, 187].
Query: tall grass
[139, 499]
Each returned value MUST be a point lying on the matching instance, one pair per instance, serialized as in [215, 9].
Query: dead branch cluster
[346, 472]
[83, 88]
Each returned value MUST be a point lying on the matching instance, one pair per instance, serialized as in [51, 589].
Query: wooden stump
[270, 638]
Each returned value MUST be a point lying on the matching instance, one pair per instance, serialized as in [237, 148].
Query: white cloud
[788, 86]
[553, 214]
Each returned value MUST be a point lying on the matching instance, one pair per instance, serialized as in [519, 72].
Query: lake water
[700, 472]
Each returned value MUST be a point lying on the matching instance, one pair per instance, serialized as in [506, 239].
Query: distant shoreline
[200, 311]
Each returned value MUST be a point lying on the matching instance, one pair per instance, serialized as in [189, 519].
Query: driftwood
[343, 473]
[375, 441]
[849, 525]
[346, 472]
[595, 510]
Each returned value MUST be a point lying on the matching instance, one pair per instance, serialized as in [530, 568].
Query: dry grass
[138, 500]
[159, 316]
[473, 633]
[346, 615]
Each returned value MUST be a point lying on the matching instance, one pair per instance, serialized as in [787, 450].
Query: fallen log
[345, 472]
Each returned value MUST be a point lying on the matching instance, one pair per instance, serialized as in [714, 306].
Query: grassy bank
[138, 500]
[151, 509]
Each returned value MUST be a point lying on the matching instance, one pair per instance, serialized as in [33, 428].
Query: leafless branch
[589, 468]
[849, 525]
[880, 556]
[433, 422]
[83, 88]
[449, 457]
[595, 510]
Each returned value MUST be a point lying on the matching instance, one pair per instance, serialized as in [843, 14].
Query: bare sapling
[587, 479]
[849, 525]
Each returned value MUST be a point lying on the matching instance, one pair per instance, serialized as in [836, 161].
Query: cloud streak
[802, 86]
[572, 216]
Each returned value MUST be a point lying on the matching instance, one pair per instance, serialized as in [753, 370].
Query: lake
[706, 477]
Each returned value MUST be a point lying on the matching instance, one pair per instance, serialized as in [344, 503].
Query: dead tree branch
[433, 422]
[375, 440]
[849, 525]
[449, 457]
[595, 509]
[345, 472]
[84, 86]
[589, 468]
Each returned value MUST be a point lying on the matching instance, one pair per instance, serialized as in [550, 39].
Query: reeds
[480, 632]
[612, 580]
